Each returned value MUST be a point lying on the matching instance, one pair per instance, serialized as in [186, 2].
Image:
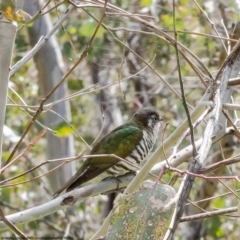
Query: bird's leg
[130, 172]
[116, 178]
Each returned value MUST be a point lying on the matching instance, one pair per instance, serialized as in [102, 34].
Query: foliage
[103, 72]
[145, 213]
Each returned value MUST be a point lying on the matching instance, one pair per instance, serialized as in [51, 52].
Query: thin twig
[163, 35]
[236, 131]
[212, 24]
[44, 100]
[217, 165]
[181, 85]
[12, 226]
[42, 40]
[208, 214]
[93, 88]
[137, 55]
[30, 145]
[100, 132]
[65, 161]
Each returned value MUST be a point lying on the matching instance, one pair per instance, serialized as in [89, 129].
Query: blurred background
[113, 81]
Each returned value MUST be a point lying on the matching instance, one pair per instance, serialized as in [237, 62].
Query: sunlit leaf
[6, 192]
[184, 2]
[145, 3]
[75, 84]
[9, 11]
[87, 30]
[33, 224]
[214, 227]
[219, 203]
[63, 130]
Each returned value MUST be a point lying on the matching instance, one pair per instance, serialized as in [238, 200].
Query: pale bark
[7, 38]
[50, 68]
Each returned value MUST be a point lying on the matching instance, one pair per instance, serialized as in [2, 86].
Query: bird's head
[148, 118]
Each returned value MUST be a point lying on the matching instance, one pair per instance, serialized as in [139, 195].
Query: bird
[132, 141]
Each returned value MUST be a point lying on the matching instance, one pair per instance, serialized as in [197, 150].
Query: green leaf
[6, 195]
[33, 225]
[9, 11]
[88, 29]
[218, 203]
[72, 30]
[184, 2]
[63, 130]
[144, 213]
[167, 20]
[214, 227]
[75, 85]
[145, 3]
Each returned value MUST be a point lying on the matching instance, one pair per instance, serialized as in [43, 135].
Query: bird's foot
[115, 178]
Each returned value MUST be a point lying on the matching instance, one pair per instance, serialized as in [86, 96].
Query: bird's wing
[121, 142]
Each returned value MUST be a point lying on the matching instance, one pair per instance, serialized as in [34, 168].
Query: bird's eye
[155, 118]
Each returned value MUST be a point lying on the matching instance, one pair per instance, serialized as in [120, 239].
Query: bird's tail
[69, 183]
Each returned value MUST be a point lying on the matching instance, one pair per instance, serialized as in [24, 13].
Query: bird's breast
[133, 161]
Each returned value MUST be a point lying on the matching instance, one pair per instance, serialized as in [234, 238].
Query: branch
[44, 100]
[209, 214]
[181, 85]
[40, 43]
[11, 226]
[54, 205]
[231, 64]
